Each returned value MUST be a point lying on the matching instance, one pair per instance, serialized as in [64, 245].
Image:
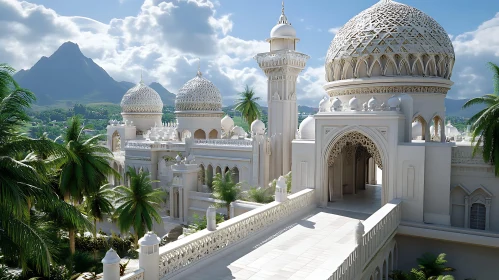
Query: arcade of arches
[206, 174]
[354, 165]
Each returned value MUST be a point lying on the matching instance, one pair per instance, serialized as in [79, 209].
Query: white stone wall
[303, 165]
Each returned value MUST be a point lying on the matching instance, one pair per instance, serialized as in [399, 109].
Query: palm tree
[248, 106]
[23, 179]
[84, 173]
[433, 265]
[138, 203]
[485, 124]
[98, 204]
[226, 190]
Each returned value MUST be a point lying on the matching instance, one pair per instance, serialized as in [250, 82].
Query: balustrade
[378, 229]
[224, 142]
[180, 254]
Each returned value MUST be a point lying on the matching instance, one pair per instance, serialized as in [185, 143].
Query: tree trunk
[72, 247]
[72, 232]
[136, 239]
[228, 211]
[95, 238]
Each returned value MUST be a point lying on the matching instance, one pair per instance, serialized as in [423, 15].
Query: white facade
[380, 125]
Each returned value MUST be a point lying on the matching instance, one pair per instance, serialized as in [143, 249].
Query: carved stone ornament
[355, 139]
[388, 90]
[141, 99]
[390, 39]
[198, 94]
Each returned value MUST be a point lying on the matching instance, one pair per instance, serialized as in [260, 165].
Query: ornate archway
[352, 162]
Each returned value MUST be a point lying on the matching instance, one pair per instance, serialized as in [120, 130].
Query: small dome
[283, 31]
[198, 94]
[393, 102]
[451, 131]
[417, 130]
[336, 103]
[141, 99]
[227, 123]
[307, 128]
[257, 127]
[238, 131]
[372, 103]
[353, 103]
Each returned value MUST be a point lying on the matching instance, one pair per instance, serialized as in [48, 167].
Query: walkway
[365, 201]
[309, 248]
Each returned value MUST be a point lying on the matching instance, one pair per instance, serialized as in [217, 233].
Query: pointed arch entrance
[352, 164]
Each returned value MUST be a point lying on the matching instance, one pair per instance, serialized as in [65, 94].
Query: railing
[179, 254]
[136, 275]
[378, 229]
[225, 142]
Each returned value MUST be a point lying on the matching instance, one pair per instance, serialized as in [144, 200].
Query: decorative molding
[224, 142]
[383, 131]
[461, 156]
[142, 116]
[387, 89]
[199, 115]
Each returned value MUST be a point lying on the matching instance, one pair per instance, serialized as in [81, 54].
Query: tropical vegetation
[51, 189]
[485, 123]
[226, 190]
[259, 195]
[430, 267]
[247, 104]
[138, 203]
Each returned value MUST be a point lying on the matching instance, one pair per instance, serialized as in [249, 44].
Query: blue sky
[124, 36]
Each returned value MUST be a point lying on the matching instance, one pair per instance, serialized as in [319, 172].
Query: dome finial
[283, 19]
[141, 80]
[199, 74]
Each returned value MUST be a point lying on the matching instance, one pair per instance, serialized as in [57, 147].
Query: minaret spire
[199, 74]
[283, 19]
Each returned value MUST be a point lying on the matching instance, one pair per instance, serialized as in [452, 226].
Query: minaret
[282, 66]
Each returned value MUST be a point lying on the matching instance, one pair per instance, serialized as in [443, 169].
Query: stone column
[232, 210]
[149, 255]
[281, 194]
[487, 213]
[466, 212]
[111, 263]
[211, 221]
[359, 234]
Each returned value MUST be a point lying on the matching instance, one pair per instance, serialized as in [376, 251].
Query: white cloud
[473, 50]
[334, 30]
[165, 38]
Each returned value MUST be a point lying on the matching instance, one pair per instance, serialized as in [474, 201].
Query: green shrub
[259, 195]
[199, 223]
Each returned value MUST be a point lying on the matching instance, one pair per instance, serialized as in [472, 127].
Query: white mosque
[379, 135]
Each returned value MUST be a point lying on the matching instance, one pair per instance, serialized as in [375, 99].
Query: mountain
[453, 107]
[68, 76]
[167, 97]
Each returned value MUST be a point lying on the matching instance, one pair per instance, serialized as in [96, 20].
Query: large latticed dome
[390, 39]
[141, 99]
[198, 94]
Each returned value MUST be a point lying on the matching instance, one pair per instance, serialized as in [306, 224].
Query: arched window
[218, 170]
[235, 175]
[202, 175]
[478, 216]
[213, 134]
[199, 134]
